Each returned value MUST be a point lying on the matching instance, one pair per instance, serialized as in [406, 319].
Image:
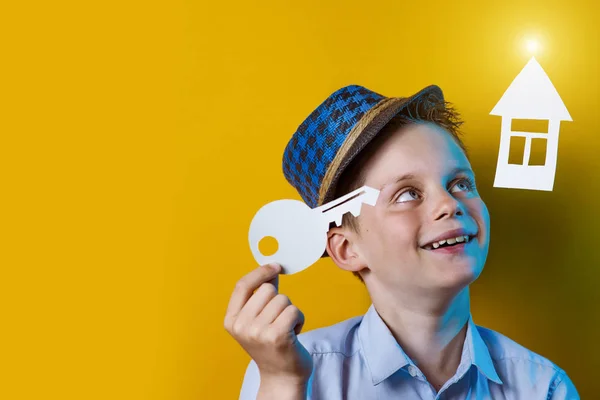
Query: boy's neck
[433, 338]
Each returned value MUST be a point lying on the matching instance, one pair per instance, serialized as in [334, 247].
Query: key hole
[268, 246]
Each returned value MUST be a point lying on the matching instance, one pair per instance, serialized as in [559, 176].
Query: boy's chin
[457, 276]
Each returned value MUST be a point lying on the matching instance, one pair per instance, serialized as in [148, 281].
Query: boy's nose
[447, 206]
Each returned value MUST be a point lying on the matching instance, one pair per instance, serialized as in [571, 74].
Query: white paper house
[530, 96]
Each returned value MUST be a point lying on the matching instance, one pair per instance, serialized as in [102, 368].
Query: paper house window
[528, 142]
[531, 96]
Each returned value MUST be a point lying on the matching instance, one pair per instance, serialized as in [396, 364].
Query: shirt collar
[478, 353]
[384, 356]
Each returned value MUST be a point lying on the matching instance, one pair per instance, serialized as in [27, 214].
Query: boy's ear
[343, 249]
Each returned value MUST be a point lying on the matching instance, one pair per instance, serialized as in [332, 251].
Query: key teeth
[355, 210]
[340, 207]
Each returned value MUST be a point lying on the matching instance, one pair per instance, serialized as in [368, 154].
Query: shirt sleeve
[564, 389]
[251, 382]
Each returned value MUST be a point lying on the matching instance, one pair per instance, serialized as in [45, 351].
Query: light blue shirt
[359, 359]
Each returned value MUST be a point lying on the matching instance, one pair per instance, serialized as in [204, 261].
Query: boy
[417, 250]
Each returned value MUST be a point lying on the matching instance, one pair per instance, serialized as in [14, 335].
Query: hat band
[355, 132]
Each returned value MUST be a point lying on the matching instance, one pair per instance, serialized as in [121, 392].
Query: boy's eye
[409, 195]
[463, 185]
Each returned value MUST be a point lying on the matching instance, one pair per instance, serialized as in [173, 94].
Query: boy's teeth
[458, 239]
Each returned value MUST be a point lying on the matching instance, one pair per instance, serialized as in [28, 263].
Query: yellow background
[138, 138]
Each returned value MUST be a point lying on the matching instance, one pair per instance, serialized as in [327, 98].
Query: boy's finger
[246, 286]
[275, 282]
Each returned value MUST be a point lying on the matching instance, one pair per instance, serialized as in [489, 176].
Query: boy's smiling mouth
[453, 238]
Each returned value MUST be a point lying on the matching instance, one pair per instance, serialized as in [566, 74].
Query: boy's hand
[265, 324]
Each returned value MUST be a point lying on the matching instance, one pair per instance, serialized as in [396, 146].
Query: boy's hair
[438, 112]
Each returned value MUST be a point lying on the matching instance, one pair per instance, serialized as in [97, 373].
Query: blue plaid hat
[335, 133]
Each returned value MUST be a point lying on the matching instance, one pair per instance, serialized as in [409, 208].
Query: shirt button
[412, 370]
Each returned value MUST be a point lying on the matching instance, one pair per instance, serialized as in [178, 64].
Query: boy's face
[427, 191]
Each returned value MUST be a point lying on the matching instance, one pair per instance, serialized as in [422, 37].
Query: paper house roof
[531, 95]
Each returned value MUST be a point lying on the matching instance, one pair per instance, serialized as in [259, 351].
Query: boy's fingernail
[275, 267]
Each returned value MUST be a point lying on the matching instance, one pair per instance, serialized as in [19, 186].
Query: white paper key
[301, 232]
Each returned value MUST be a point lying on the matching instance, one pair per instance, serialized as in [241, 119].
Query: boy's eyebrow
[457, 171]
[400, 178]
[403, 178]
